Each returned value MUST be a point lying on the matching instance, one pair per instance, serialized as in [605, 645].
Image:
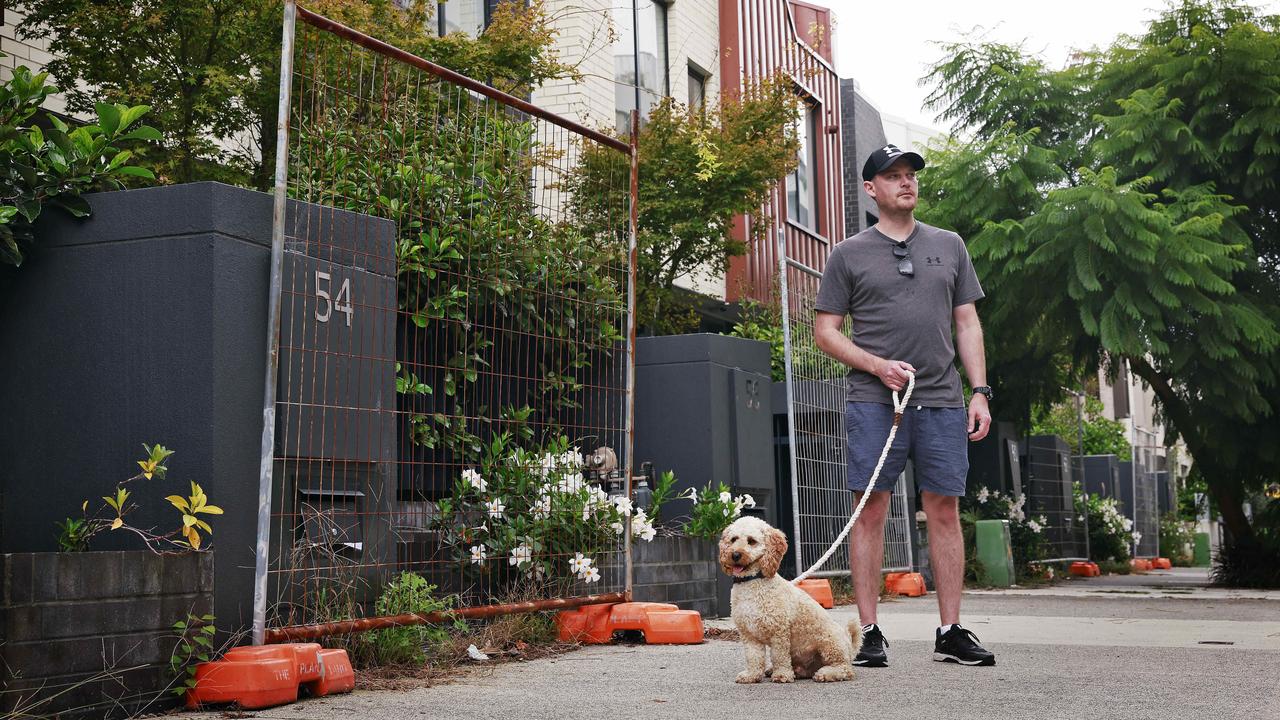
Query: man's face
[896, 188]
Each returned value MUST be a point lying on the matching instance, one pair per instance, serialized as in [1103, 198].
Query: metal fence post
[273, 328]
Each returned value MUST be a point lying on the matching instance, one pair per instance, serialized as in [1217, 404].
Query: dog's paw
[783, 676]
[747, 677]
[833, 673]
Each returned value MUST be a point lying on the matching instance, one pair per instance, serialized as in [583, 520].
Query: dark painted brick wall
[680, 570]
[97, 625]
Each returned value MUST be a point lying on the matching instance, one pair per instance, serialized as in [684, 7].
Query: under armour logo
[891, 150]
[933, 261]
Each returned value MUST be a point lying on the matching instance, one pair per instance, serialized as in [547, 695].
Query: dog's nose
[737, 556]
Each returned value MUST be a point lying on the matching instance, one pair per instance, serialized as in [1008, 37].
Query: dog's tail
[855, 633]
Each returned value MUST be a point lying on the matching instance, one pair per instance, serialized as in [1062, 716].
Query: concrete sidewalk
[1073, 651]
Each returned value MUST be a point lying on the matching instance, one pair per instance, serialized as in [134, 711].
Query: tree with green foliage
[210, 70]
[1102, 435]
[1124, 209]
[54, 166]
[698, 170]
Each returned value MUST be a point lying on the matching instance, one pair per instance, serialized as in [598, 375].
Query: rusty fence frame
[293, 13]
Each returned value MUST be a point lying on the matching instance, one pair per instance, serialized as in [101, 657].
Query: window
[802, 186]
[651, 60]
[697, 87]
[466, 16]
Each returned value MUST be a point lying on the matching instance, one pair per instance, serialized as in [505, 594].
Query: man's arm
[974, 358]
[829, 338]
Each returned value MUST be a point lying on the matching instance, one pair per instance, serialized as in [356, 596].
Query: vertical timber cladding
[335, 437]
[758, 39]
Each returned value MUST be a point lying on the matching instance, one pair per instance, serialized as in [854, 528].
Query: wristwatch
[984, 390]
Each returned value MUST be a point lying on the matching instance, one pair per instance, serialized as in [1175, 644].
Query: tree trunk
[1216, 474]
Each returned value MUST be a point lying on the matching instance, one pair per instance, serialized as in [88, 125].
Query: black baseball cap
[886, 156]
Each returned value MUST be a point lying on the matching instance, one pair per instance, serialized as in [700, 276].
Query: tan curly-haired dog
[772, 613]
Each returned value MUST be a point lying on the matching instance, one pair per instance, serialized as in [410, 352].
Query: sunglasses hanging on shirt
[904, 259]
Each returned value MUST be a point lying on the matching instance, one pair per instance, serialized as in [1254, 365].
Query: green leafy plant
[663, 490]
[55, 165]
[1177, 540]
[195, 645]
[714, 509]
[763, 322]
[74, 534]
[407, 593]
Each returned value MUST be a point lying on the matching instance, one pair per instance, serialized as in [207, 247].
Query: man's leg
[946, 552]
[866, 553]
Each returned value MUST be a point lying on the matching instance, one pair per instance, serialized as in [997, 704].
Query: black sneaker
[958, 645]
[872, 653]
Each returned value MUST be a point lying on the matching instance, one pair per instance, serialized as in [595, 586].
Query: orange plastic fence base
[661, 623]
[268, 675]
[1140, 564]
[819, 590]
[1085, 569]
[904, 583]
[1162, 564]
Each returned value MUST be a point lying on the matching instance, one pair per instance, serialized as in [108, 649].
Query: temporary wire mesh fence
[821, 499]
[1150, 480]
[453, 342]
[1050, 498]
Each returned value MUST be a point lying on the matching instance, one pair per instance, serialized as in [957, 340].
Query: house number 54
[329, 304]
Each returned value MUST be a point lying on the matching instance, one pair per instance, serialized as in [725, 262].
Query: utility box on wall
[147, 323]
[703, 411]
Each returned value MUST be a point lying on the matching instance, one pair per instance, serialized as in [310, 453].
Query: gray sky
[886, 46]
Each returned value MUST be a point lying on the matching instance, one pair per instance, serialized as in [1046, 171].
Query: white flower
[746, 500]
[648, 533]
[579, 564]
[1080, 518]
[983, 494]
[495, 507]
[617, 527]
[725, 497]
[570, 484]
[690, 494]
[472, 478]
[542, 508]
[478, 554]
[591, 575]
[1127, 525]
[1044, 521]
[520, 554]
[1034, 526]
[1137, 537]
[624, 504]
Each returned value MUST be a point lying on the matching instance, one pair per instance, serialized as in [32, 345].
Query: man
[903, 284]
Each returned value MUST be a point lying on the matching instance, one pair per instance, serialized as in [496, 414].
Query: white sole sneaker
[943, 657]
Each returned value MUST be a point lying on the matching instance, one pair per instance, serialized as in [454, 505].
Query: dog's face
[751, 546]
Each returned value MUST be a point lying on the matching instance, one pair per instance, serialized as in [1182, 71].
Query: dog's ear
[726, 560]
[775, 548]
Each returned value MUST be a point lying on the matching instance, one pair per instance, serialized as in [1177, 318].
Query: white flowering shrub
[531, 512]
[1110, 532]
[714, 509]
[1026, 534]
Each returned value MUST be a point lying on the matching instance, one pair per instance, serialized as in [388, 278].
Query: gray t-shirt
[898, 317]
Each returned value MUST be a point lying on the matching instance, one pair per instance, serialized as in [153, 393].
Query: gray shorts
[936, 439]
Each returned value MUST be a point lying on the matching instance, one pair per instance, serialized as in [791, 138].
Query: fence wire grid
[821, 499]
[453, 341]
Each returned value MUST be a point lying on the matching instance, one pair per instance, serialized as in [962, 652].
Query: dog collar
[746, 578]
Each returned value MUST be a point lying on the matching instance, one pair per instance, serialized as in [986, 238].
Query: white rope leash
[898, 409]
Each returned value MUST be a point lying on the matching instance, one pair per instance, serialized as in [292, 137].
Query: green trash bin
[1200, 558]
[995, 552]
